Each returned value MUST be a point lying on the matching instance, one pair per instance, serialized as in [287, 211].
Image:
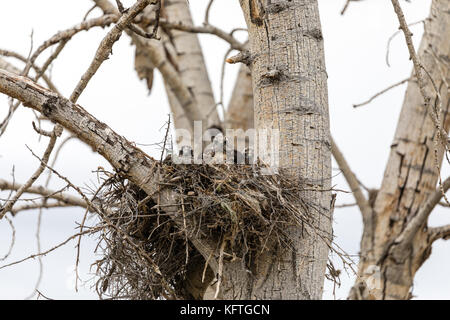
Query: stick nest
[148, 256]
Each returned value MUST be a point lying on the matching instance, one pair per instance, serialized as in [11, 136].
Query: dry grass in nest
[146, 254]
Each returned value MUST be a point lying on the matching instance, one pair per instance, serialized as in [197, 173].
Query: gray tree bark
[290, 95]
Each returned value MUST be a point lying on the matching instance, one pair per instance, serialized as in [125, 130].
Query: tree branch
[381, 93]
[128, 160]
[206, 29]
[347, 4]
[16, 209]
[418, 221]
[352, 181]
[67, 34]
[419, 69]
[60, 197]
[105, 48]
[11, 68]
[155, 57]
[57, 131]
[439, 233]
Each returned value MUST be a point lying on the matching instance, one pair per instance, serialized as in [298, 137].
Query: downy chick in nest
[218, 151]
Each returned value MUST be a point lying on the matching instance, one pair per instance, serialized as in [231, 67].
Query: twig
[49, 250]
[220, 270]
[27, 207]
[352, 181]
[242, 57]
[55, 134]
[67, 34]
[388, 46]
[105, 48]
[56, 155]
[46, 193]
[120, 6]
[40, 294]
[205, 29]
[208, 8]
[78, 246]
[39, 71]
[165, 140]
[41, 266]
[13, 239]
[347, 4]
[345, 205]
[89, 12]
[382, 92]
[42, 131]
[419, 68]
[50, 59]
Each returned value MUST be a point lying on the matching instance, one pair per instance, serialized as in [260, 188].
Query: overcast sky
[355, 47]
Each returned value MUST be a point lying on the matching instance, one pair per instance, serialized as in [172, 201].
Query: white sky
[355, 55]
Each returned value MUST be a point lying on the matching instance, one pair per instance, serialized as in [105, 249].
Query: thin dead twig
[67, 34]
[13, 239]
[49, 250]
[205, 29]
[352, 181]
[347, 4]
[55, 134]
[419, 69]
[44, 192]
[388, 46]
[382, 92]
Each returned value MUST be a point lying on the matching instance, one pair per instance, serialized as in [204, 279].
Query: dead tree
[283, 58]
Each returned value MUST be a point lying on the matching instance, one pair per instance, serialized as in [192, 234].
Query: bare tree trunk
[290, 92]
[190, 61]
[240, 109]
[183, 53]
[388, 248]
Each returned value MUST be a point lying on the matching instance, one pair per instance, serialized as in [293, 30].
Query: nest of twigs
[147, 255]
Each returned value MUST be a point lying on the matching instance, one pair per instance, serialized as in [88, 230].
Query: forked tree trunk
[387, 266]
[290, 95]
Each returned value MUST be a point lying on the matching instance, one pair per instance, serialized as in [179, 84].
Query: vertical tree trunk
[240, 109]
[190, 61]
[290, 94]
[410, 176]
